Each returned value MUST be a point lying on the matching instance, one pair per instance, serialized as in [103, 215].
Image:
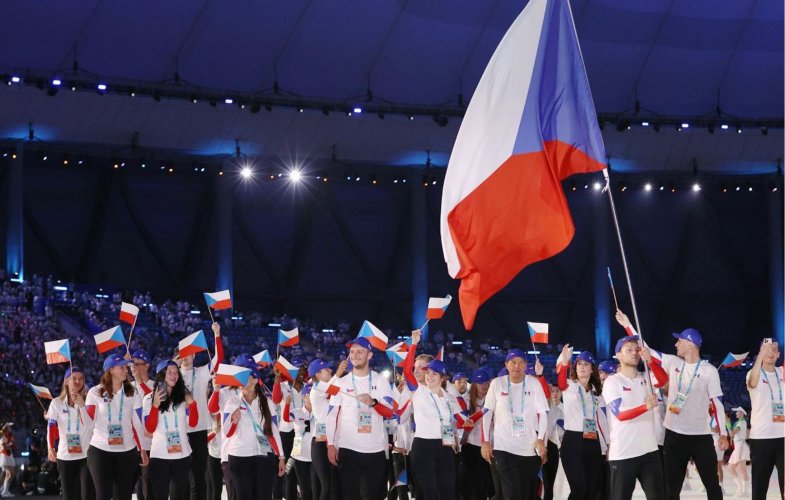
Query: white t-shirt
[475, 433]
[123, 410]
[634, 437]
[404, 432]
[428, 408]
[556, 424]
[574, 412]
[197, 381]
[319, 406]
[70, 420]
[243, 442]
[286, 391]
[529, 402]
[144, 439]
[706, 385]
[215, 438]
[343, 429]
[761, 396]
[170, 421]
[224, 395]
[301, 422]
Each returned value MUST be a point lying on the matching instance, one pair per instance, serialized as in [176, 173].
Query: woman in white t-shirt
[115, 451]
[435, 436]
[68, 432]
[737, 463]
[477, 483]
[253, 443]
[169, 412]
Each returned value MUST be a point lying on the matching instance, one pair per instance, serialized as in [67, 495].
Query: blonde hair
[65, 394]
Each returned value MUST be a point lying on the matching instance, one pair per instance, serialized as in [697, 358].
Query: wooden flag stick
[39, 401]
[613, 289]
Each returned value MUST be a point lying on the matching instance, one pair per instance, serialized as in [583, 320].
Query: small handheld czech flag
[263, 359]
[437, 306]
[41, 392]
[109, 339]
[219, 300]
[128, 313]
[734, 360]
[288, 338]
[231, 375]
[288, 370]
[538, 332]
[375, 336]
[192, 344]
[57, 351]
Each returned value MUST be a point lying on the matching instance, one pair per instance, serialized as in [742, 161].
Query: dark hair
[106, 386]
[265, 408]
[594, 378]
[473, 397]
[178, 391]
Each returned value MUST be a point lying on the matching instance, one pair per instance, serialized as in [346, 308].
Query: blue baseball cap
[163, 365]
[298, 361]
[480, 376]
[624, 340]
[318, 365]
[141, 354]
[690, 334]
[71, 371]
[515, 353]
[243, 359]
[585, 356]
[502, 372]
[530, 369]
[360, 341]
[607, 366]
[115, 360]
[458, 376]
[437, 366]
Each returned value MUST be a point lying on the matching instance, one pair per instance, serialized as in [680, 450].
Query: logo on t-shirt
[626, 389]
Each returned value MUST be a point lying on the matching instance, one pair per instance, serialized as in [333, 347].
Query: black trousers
[647, 469]
[678, 449]
[765, 454]
[114, 473]
[75, 479]
[362, 475]
[215, 478]
[328, 479]
[477, 483]
[581, 461]
[169, 476]
[517, 475]
[601, 488]
[253, 477]
[143, 483]
[198, 469]
[284, 486]
[549, 470]
[435, 465]
[230, 492]
[303, 471]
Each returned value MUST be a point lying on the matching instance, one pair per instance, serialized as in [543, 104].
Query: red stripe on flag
[222, 304]
[53, 358]
[517, 216]
[127, 317]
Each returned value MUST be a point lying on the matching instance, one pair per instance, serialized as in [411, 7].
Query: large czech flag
[109, 339]
[57, 351]
[531, 123]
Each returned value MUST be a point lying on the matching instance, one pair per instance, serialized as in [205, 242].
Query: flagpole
[535, 349]
[39, 401]
[626, 269]
[613, 289]
[131, 334]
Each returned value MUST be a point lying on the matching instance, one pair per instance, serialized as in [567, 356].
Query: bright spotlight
[295, 175]
[386, 374]
[246, 172]
[696, 187]
[597, 186]
[648, 186]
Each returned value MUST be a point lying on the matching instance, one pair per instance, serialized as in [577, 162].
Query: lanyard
[583, 404]
[109, 408]
[436, 404]
[694, 373]
[779, 384]
[257, 428]
[176, 422]
[356, 392]
[509, 395]
[69, 418]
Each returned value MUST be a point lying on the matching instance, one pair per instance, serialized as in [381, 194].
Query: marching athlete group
[347, 432]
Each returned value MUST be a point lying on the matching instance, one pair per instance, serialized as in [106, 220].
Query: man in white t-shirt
[767, 421]
[693, 392]
[356, 434]
[632, 452]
